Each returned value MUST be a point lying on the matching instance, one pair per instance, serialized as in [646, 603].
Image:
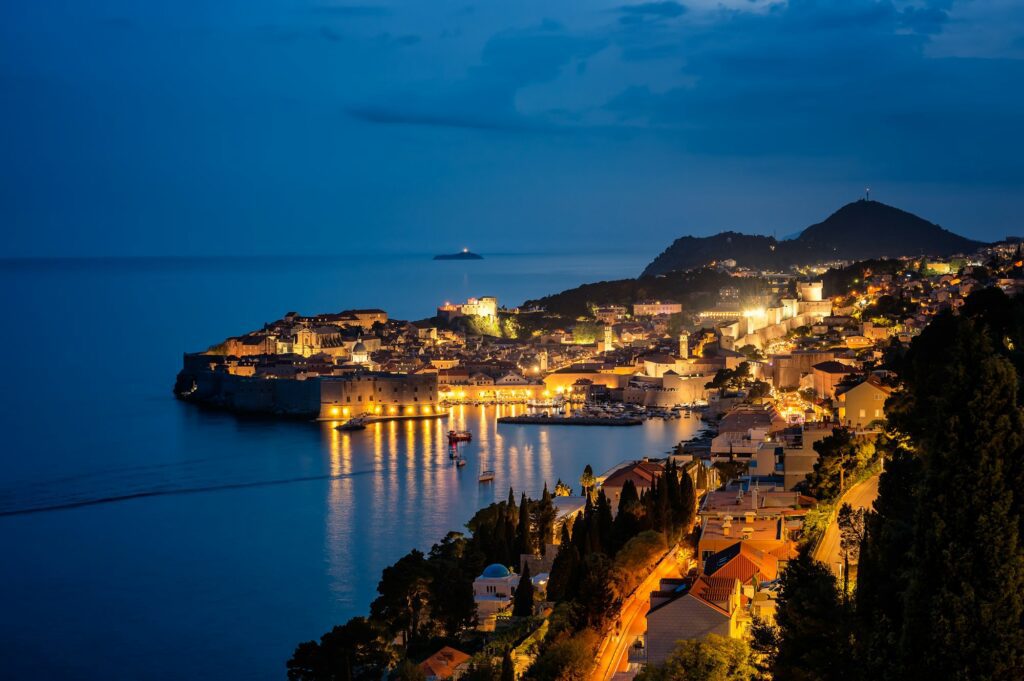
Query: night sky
[260, 127]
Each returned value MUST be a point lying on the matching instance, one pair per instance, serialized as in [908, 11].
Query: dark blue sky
[251, 126]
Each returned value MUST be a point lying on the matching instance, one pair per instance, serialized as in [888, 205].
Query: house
[493, 590]
[827, 375]
[744, 562]
[863, 404]
[689, 609]
[643, 474]
[447, 663]
[771, 535]
[756, 571]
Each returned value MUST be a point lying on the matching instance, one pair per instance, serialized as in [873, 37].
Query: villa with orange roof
[447, 663]
[643, 473]
[770, 535]
[689, 609]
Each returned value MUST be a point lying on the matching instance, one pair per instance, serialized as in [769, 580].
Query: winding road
[861, 495]
[612, 656]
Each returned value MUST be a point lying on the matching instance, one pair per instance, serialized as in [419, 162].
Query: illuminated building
[486, 306]
[654, 308]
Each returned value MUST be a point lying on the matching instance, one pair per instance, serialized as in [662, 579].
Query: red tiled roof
[714, 590]
[743, 562]
[442, 664]
[642, 473]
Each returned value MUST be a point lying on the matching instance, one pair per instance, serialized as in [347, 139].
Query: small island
[464, 254]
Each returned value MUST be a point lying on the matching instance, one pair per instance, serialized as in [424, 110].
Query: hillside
[857, 231]
[690, 287]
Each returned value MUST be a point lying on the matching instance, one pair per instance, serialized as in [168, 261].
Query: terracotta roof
[642, 473]
[443, 663]
[743, 562]
[714, 591]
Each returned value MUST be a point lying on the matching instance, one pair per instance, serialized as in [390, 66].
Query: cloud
[847, 79]
[645, 11]
[351, 11]
[485, 98]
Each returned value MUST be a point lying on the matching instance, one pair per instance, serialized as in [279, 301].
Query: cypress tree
[510, 506]
[544, 515]
[508, 670]
[509, 531]
[581, 529]
[687, 510]
[965, 585]
[524, 533]
[882, 569]
[627, 521]
[522, 602]
[564, 569]
[603, 519]
[812, 621]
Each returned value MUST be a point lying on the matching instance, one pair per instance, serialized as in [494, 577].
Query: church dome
[495, 571]
[358, 347]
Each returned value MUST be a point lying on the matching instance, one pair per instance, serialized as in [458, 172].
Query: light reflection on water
[243, 536]
[416, 493]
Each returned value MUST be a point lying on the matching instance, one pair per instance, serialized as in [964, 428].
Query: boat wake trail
[128, 496]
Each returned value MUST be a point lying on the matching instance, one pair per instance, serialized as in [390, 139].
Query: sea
[144, 538]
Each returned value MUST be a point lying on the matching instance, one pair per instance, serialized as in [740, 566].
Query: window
[863, 413]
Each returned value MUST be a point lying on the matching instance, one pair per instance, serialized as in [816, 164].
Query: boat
[460, 462]
[353, 424]
[486, 476]
[459, 436]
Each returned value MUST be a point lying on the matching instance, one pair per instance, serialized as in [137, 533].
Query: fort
[209, 381]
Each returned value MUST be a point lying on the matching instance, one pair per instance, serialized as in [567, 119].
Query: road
[613, 655]
[861, 495]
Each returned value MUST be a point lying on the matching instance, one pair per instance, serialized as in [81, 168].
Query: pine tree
[522, 602]
[587, 480]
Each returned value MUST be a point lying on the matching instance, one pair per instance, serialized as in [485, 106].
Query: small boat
[353, 424]
[459, 436]
[460, 462]
[486, 476]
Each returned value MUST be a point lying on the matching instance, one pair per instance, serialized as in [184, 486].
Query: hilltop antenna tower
[867, 193]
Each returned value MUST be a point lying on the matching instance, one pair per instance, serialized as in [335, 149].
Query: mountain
[857, 231]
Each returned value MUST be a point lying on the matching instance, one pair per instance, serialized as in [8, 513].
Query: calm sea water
[210, 545]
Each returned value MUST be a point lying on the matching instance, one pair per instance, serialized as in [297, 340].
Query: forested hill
[683, 287]
[857, 231]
